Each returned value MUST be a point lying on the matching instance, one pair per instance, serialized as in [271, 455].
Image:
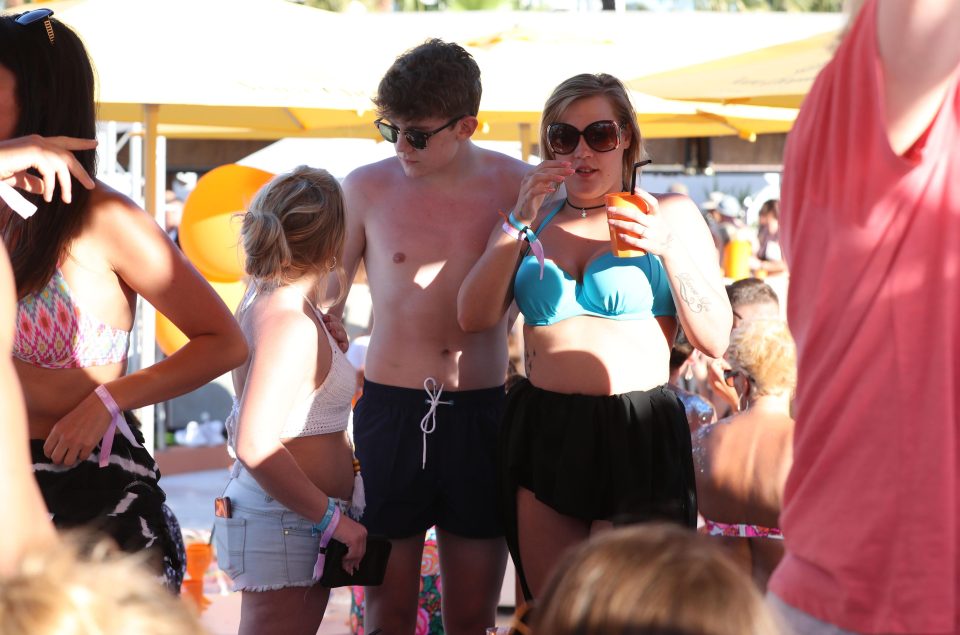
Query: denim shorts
[264, 546]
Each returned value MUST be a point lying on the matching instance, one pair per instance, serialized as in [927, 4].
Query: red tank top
[871, 506]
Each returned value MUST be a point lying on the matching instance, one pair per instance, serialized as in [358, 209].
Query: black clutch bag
[372, 567]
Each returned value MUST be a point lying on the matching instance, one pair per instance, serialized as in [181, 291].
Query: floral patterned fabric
[54, 332]
[429, 621]
[743, 531]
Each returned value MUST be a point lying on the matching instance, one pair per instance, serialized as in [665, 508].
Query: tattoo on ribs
[688, 293]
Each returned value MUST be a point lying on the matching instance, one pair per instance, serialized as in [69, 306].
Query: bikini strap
[549, 217]
[536, 234]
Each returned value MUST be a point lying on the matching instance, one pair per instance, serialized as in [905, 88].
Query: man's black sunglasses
[416, 138]
[25, 19]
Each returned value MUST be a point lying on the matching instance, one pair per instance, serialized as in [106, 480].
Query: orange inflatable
[210, 230]
[170, 338]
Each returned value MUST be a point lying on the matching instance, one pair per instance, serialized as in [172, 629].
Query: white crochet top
[326, 410]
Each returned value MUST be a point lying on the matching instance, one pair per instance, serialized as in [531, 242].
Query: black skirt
[623, 458]
[122, 499]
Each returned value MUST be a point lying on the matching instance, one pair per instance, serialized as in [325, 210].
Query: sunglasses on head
[730, 376]
[28, 18]
[416, 138]
[602, 136]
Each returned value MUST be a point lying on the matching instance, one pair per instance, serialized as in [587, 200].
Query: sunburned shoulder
[750, 424]
[272, 319]
[107, 204]
[373, 174]
[117, 224]
[503, 161]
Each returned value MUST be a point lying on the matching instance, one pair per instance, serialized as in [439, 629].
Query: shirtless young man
[426, 426]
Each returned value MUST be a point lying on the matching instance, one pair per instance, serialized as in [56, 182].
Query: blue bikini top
[614, 288]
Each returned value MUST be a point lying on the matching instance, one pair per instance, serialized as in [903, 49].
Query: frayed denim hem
[276, 587]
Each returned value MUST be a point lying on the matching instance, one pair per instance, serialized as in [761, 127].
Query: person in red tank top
[871, 229]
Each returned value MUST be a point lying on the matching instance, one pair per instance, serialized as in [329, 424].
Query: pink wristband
[324, 541]
[535, 245]
[116, 421]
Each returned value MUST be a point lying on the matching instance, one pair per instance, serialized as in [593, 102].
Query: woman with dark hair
[594, 436]
[769, 257]
[79, 267]
[53, 162]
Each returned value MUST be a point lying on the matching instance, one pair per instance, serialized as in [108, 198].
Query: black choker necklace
[583, 210]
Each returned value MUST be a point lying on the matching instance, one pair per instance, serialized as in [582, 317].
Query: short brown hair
[651, 579]
[771, 206]
[751, 291]
[435, 79]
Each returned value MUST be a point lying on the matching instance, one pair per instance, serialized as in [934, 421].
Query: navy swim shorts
[419, 471]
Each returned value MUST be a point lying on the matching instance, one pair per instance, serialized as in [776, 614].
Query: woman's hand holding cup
[636, 225]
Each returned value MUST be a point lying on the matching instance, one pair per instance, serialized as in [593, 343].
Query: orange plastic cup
[625, 200]
[199, 557]
[193, 589]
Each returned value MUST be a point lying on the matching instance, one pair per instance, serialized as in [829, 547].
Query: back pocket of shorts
[230, 535]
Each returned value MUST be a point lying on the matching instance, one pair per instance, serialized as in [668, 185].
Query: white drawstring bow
[429, 422]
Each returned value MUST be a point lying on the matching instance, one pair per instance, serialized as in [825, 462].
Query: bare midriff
[327, 460]
[598, 356]
[397, 357]
[52, 393]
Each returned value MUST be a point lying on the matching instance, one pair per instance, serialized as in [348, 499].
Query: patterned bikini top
[54, 331]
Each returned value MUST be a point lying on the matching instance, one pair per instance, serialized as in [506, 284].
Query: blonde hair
[765, 351]
[651, 579]
[295, 225]
[58, 591]
[594, 85]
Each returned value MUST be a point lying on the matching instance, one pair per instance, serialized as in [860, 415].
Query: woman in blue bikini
[593, 437]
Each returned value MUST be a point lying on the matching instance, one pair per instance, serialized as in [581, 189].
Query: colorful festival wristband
[320, 527]
[516, 224]
[527, 234]
[116, 421]
[325, 539]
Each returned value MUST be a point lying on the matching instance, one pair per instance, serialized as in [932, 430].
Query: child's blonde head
[60, 592]
[764, 350]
